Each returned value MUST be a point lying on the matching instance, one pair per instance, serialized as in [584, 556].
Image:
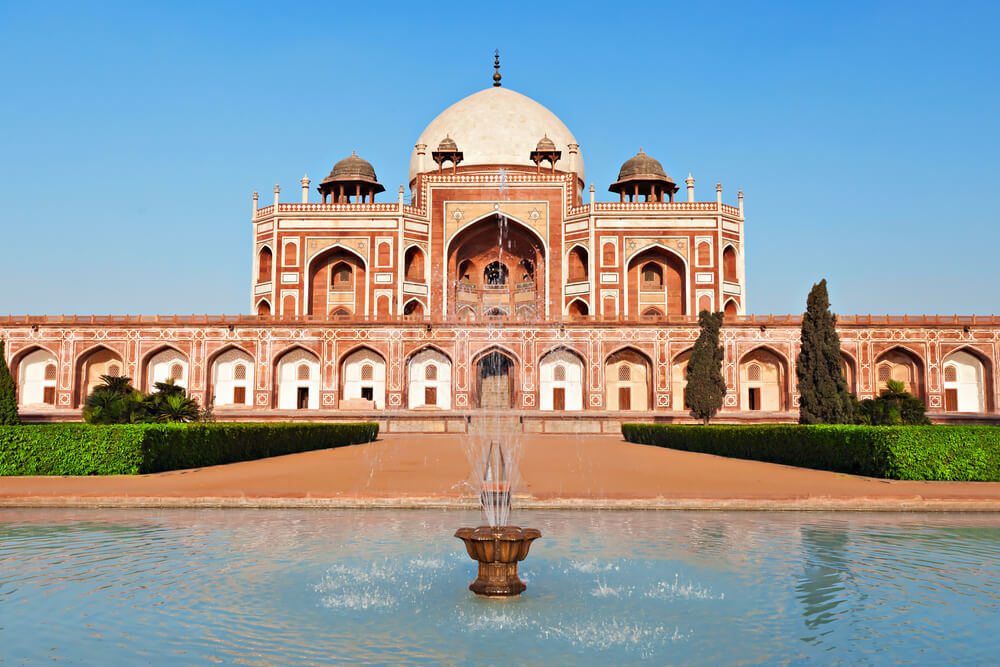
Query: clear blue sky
[865, 135]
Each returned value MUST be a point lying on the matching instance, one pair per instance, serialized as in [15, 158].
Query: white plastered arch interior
[298, 377]
[36, 380]
[165, 365]
[364, 377]
[429, 380]
[561, 379]
[964, 383]
[232, 379]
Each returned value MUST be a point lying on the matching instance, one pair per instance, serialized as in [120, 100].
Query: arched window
[289, 254]
[383, 254]
[431, 372]
[577, 265]
[303, 372]
[624, 373]
[340, 276]
[731, 310]
[114, 370]
[340, 314]
[608, 254]
[495, 273]
[413, 308]
[884, 373]
[729, 265]
[50, 372]
[176, 372]
[652, 276]
[414, 261]
[559, 373]
[652, 312]
[753, 373]
[367, 372]
[578, 309]
[704, 254]
[264, 265]
[240, 372]
[950, 374]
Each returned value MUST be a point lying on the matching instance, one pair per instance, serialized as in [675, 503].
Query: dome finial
[496, 69]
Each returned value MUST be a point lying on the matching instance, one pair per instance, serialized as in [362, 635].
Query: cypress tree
[706, 388]
[8, 393]
[823, 390]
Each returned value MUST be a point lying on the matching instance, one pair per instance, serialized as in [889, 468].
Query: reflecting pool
[264, 587]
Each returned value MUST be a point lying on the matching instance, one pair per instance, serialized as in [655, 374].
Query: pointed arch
[849, 367]
[265, 263]
[264, 308]
[577, 264]
[731, 309]
[414, 309]
[310, 271]
[414, 264]
[96, 361]
[768, 391]
[229, 377]
[429, 373]
[674, 271]
[903, 364]
[628, 378]
[678, 378]
[29, 369]
[362, 373]
[291, 389]
[561, 379]
[969, 392]
[146, 379]
[496, 374]
[730, 263]
[578, 308]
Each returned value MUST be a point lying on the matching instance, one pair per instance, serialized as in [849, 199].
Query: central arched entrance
[495, 380]
[496, 268]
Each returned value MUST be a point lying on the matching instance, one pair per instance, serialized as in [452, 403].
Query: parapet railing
[676, 206]
[350, 320]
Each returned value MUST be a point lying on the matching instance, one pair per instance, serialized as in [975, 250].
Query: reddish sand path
[590, 470]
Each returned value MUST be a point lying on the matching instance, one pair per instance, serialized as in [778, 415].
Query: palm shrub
[824, 396]
[8, 392]
[116, 401]
[706, 388]
[894, 407]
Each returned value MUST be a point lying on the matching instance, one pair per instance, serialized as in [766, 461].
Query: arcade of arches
[626, 380]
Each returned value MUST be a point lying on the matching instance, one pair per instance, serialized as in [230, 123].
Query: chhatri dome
[497, 126]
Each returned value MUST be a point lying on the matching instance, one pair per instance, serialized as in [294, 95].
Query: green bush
[87, 449]
[961, 453]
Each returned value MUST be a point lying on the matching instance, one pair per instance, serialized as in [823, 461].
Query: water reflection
[317, 586]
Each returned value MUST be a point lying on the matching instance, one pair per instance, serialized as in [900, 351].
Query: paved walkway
[560, 471]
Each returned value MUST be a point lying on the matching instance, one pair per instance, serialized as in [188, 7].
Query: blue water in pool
[263, 587]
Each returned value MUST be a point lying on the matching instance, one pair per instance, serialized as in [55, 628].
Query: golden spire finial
[496, 69]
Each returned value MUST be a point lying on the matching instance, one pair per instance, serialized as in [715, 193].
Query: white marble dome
[496, 126]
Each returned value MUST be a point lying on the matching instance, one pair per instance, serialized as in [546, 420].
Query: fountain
[497, 547]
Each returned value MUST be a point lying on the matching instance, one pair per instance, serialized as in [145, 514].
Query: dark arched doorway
[495, 381]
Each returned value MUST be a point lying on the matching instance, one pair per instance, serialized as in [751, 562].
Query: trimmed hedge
[944, 452]
[85, 449]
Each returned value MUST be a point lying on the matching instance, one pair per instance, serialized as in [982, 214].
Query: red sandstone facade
[502, 285]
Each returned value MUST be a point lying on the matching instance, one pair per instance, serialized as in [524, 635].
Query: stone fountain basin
[503, 544]
[498, 550]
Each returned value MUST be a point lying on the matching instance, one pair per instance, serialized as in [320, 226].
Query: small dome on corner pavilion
[447, 145]
[352, 169]
[642, 167]
[545, 144]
